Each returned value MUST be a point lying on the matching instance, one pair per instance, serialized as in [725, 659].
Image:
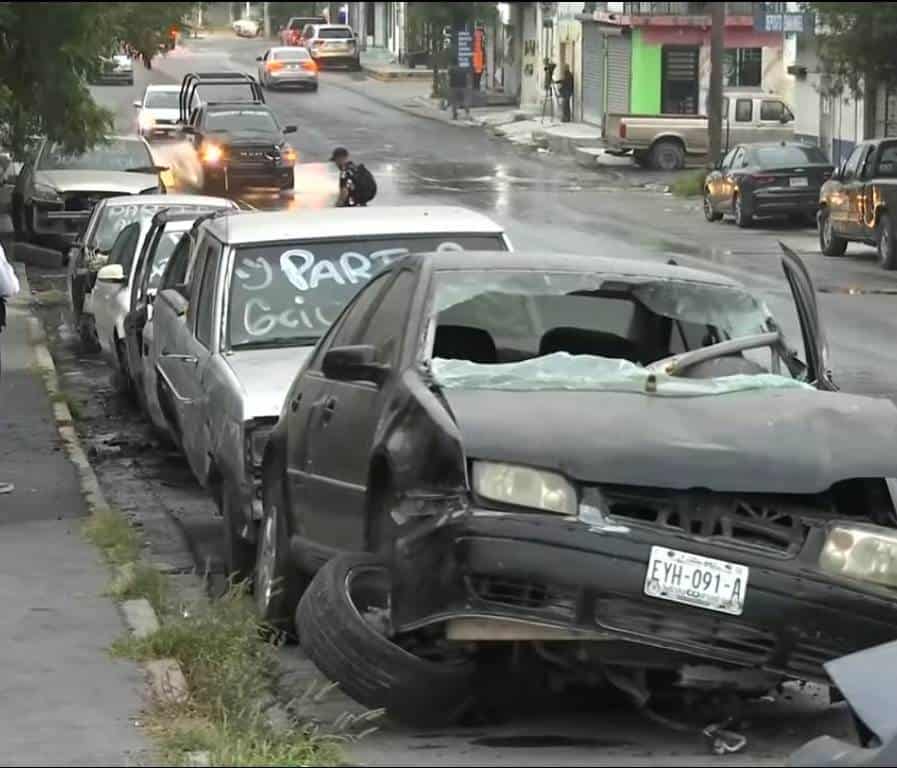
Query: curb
[165, 677]
[389, 74]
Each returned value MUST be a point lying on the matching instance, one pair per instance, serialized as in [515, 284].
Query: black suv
[241, 144]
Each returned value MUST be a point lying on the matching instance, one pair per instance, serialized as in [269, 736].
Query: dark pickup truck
[859, 202]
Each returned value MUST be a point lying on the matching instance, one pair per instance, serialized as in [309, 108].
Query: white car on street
[264, 287]
[110, 299]
[247, 28]
[159, 111]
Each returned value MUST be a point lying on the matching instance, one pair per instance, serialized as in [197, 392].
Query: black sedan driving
[621, 466]
[759, 180]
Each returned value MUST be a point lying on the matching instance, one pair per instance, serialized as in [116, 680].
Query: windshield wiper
[147, 169]
[278, 341]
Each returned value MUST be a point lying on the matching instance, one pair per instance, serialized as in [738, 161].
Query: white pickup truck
[664, 141]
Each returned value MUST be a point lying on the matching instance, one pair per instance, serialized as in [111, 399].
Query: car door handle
[329, 408]
[294, 403]
[180, 358]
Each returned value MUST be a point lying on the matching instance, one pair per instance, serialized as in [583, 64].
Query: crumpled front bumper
[588, 580]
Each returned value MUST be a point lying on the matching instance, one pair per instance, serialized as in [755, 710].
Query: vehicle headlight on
[146, 121]
[867, 553]
[211, 154]
[46, 193]
[288, 155]
[524, 487]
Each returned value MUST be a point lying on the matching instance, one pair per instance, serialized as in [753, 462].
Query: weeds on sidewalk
[109, 530]
[231, 673]
[136, 580]
[690, 184]
[75, 406]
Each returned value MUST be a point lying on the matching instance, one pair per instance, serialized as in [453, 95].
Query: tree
[48, 53]
[856, 42]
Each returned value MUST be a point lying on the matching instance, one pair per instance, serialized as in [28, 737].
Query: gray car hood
[265, 376]
[777, 441]
[120, 182]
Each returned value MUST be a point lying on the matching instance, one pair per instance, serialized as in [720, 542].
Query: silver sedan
[282, 66]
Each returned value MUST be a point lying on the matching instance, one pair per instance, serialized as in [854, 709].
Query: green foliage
[48, 52]
[856, 41]
[689, 184]
[109, 530]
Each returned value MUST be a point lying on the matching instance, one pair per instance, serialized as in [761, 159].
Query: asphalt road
[545, 202]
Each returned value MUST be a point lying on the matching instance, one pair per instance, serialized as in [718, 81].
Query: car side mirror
[138, 104]
[111, 273]
[259, 58]
[355, 363]
[290, 129]
[784, 119]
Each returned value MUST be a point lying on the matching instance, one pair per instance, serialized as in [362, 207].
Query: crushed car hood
[778, 441]
[97, 181]
[265, 376]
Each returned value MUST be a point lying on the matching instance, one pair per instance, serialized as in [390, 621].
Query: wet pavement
[546, 202]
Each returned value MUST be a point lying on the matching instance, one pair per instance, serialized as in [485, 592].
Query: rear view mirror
[111, 273]
[355, 363]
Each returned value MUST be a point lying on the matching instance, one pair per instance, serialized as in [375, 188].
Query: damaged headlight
[524, 487]
[860, 552]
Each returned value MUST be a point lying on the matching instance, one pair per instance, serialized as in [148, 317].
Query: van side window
[744, 110]
[771, 109]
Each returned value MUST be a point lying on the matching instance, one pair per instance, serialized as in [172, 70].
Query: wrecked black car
[622, 466]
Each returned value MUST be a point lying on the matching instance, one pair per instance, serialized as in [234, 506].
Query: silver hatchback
[284, 65]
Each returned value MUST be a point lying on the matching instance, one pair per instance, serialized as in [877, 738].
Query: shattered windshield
[561, 330]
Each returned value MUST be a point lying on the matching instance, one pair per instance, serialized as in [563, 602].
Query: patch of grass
[231, 672]
[136, 580]
[690, 184]
[109, 530]
[75, 406]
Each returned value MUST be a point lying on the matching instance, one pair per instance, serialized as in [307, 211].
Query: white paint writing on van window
[306, 273]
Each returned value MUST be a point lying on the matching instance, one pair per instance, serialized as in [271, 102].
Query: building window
[743, 67]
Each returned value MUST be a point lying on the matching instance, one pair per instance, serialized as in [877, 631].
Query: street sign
[464, 47]
[765, 21]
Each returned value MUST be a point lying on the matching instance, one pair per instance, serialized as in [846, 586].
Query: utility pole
[715, 95]
[267, 19]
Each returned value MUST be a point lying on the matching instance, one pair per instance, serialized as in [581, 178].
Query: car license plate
[695, 580]
[798, 181]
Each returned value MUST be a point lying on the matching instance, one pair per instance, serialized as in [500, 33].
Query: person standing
[9, 287]
[566, 87]
[458, 89]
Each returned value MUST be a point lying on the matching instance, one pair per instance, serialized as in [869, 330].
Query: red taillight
[761, 179]
[622, 130]
[274, 66]
[310, 65]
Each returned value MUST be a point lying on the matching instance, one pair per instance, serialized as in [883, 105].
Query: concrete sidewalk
[65, 701]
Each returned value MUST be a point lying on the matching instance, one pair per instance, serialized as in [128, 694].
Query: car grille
[261, 156]
[555, 601]
[714, 636]
[774, 524]
[84, 201]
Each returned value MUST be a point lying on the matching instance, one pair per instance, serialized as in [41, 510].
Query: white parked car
[264, 287]
[110, 299]
[247, 28]
[159, 111]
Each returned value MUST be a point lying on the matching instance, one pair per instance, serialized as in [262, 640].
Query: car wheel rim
[738, 209]
[885, 244]
[264, 589]
[827, 231]
[708, 210]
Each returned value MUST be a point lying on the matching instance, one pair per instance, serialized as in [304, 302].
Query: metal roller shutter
[592, 74]
[619, 61]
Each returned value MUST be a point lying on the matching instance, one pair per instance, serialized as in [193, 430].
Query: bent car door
[344, 421]
[105, 297]
[312, 406]
[804, 294]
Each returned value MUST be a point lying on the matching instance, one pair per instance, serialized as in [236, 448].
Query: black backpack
[365, 186]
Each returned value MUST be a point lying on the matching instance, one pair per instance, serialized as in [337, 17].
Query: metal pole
[715, 95]
[267, 19]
